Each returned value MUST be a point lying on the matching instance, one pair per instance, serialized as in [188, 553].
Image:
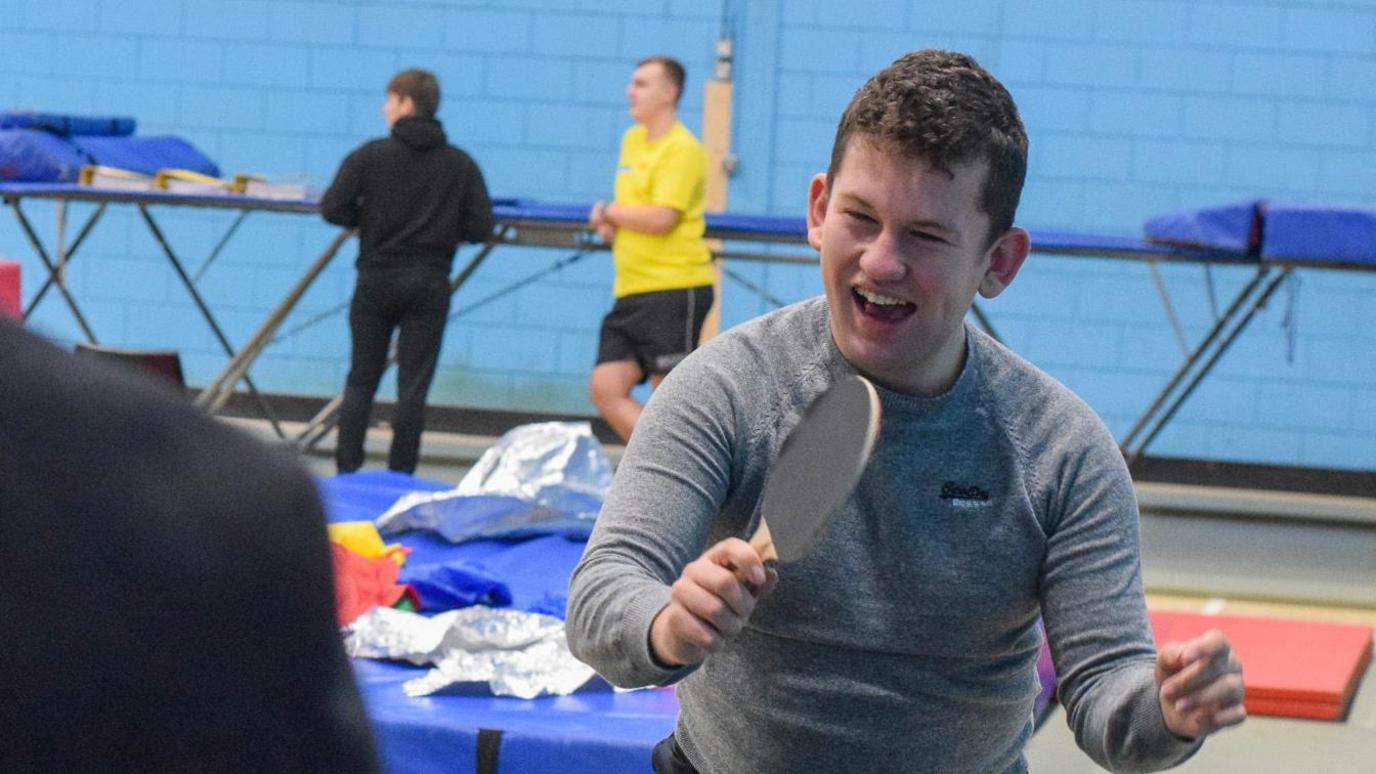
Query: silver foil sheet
[538, 479]
[516, 653]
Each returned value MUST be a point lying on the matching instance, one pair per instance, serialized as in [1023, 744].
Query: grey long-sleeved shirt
[907, 640]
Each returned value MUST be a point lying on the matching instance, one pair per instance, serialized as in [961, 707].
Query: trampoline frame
[531, 223]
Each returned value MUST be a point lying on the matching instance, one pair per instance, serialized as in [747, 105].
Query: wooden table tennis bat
[817, 469]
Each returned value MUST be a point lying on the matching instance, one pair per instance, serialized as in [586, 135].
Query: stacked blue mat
[52, 148]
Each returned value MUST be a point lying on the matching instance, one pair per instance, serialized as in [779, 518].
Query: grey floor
[444, 456]
[1261, 745]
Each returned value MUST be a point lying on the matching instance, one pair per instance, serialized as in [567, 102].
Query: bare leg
[610, 388]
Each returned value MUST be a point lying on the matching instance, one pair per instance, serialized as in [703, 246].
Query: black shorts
[656, 330]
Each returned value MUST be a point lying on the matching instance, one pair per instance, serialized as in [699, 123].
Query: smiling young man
[663, 286]
[907, 640]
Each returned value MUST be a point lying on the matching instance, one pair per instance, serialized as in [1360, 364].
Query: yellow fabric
[362, 538]
[669, 172]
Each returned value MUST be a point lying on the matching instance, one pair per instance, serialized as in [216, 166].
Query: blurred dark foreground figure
[166, 603]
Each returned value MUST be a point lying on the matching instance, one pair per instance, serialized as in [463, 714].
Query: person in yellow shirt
[663, 285]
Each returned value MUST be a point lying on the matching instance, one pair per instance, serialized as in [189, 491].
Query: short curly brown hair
[941, 106]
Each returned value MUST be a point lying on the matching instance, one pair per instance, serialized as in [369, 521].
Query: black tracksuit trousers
[413, 300]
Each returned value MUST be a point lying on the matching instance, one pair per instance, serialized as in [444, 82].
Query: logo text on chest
[964, 495]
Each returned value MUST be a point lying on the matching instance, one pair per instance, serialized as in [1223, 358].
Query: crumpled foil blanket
[538, 479]
[516, 653]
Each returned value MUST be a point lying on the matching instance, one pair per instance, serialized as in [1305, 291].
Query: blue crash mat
[39, 156]
[1234, 227]
[1315, 234]
[594, 730]
[145, 154]
[1278, 232]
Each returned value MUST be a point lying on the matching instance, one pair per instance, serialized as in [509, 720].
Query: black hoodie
[412, 196]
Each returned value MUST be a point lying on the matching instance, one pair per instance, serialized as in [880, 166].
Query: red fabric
[361, 584]
[10, 303]
[1303, 669]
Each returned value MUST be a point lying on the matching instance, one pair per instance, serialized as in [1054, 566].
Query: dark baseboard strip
[1243, 475]
[1166, 470]
[444, 419]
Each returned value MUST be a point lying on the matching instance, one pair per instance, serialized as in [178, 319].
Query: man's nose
[883, 259]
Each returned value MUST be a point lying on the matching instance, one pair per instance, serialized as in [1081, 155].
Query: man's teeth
[875, 298]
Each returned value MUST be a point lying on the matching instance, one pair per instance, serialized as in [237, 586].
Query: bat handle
[763, 543]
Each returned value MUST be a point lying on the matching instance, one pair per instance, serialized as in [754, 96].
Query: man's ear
[816, 209]
[1006, 257]
[406, 106]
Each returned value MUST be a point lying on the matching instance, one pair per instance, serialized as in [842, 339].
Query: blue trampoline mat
[1299, 234]
[594, 730]
[717, 222]
[78, 192]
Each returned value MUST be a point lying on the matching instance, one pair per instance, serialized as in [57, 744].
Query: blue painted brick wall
[1134, 107]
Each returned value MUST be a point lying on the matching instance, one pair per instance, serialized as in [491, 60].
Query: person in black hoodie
[413, 198]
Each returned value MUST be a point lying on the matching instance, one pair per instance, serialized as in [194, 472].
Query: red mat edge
[1316, 705]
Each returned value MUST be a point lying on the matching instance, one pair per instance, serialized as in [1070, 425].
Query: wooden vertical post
[716, 140]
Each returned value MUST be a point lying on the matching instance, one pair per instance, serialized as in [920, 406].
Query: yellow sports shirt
[669, 172]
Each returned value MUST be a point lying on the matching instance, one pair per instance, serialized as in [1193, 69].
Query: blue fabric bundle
[33, 156]
[451, 585]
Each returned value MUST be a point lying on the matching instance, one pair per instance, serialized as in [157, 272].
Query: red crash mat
[1300, 669]
[11, 304]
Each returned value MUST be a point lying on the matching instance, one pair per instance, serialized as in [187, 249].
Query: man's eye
[926, 236]
[860, 216]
